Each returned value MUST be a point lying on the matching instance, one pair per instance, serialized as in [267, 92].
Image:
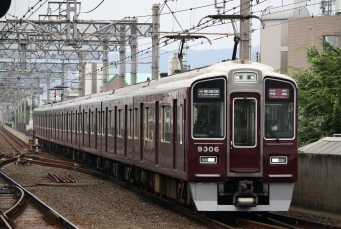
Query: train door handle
[230, 144]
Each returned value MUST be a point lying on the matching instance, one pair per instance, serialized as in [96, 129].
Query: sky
[115, 10]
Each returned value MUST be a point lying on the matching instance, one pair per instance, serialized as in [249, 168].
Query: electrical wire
[203, 23]
[92, 9]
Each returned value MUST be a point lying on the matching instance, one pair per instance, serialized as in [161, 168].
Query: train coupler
[245, 196]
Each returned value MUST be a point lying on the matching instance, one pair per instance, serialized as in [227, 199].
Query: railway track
[211, 220]
[18, 207]
[25, 209]
[205, 219]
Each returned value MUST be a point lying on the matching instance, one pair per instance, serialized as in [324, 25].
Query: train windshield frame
[209, 109]
[279, 110]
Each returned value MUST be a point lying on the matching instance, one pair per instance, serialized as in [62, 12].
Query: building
[311, 30]
[93, 77]
[114, 81]
[274, 37]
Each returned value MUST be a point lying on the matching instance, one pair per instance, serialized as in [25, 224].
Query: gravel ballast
[96, 203]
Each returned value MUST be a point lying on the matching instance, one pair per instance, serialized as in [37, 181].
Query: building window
[333, 40]
[166, 130]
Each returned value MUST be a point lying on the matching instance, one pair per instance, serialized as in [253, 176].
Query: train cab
[243, 142]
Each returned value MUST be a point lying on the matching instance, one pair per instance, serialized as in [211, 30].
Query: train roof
[172, 82]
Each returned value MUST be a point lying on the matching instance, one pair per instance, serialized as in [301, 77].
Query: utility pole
[155, 40]
[38, 94]
[122, 55]
[81, 74]
[133, 48]
[244, 30]
[24, 114]
[48, 88]
[106, 66]
[62, 91]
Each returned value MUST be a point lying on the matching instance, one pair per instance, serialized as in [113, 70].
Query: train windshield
[279, 109]
[208, 120]
[244, 122]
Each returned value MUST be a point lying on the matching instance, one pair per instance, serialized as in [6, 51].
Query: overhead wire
[92, 9]
[197, 26]
[111, 63]
[214, 19]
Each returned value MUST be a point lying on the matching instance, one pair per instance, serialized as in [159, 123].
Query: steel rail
[5, 222]
[9, 143]
[177, 208]
[57, 218]
[14, 139]
[301, 222]
[16, 205]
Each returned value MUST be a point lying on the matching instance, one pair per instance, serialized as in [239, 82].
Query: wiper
[271, 132]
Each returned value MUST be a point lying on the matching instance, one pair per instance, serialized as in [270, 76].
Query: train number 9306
[208, 149]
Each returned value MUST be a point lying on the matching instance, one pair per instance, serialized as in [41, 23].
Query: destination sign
[279, 93]
[208, 93]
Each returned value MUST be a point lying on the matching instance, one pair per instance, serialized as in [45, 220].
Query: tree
[319, 94]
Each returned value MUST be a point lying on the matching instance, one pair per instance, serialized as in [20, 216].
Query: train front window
[208, 110]
[279, 120]
[244, 122]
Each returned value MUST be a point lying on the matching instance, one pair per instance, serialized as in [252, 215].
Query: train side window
[65, 122]
[130, 123]
[52, 123]
[91, 122]
[81, 124]
[111, 122]
[99, 123]
[103, 123]
[166, 129]
[181, 123]
[69, 122]
[86, 119]
[120, 122]
[149, 123]
[136, 123]
[73, 122]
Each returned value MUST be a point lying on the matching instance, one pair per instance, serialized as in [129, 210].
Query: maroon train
[223, 138]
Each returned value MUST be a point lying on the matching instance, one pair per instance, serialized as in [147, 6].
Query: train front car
[242, 145]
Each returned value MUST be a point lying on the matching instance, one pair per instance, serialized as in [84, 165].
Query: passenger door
[244, 129]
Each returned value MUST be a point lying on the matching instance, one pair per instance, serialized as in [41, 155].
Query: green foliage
[319, 94]
[27, 116]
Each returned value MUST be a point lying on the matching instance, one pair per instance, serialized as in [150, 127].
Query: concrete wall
[305, 31]
[319, 184]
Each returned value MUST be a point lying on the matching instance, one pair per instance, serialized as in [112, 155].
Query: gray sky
[115, 10]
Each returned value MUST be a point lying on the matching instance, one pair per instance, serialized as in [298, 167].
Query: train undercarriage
[236, 194]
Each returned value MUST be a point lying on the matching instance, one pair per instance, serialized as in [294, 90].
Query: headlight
[208, 160]
[278, 160]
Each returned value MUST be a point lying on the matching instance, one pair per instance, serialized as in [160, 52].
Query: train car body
[223, 137]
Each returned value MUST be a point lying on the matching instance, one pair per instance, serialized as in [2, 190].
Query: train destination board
[279, 93]
[208, 93]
